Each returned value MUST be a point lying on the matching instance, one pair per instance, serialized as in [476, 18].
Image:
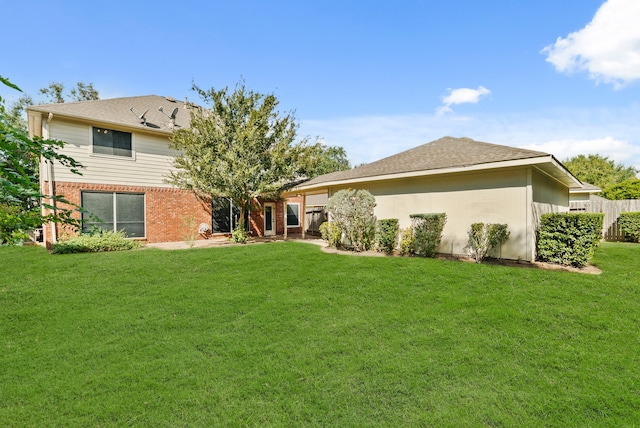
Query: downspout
[52, 201]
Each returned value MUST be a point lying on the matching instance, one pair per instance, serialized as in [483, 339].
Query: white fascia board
[430, 172]
[108, 123]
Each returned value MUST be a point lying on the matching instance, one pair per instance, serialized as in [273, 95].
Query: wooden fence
[611, 210]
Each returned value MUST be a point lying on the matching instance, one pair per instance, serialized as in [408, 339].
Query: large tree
[599, 170]
[20, 195]
[239, 146]
[627, 189]
[55, 93]
[81, 92]
[318, 159]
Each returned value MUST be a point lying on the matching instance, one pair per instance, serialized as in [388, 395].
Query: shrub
[484, 238]
[569, 238]
[406, 241]
[387, 235]
[330, 233]
[351, 211]
[630, 226]
[101, 240]
[15, 222]
[427, 232]
[239, 234]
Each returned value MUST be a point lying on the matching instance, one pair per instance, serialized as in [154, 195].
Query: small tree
[484, 238]
[352, 212]
[238, 148]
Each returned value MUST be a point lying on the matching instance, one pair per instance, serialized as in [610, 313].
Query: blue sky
[373, 77]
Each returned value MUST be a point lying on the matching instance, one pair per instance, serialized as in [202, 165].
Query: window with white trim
[114, 211]
[110, 142]
[293, 214]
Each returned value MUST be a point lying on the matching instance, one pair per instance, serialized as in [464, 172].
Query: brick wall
[257, 216]
[170, 214]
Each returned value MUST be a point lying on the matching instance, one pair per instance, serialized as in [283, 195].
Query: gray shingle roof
[117, 111]
[447, 152]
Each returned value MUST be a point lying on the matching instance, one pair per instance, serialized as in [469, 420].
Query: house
[579, 197]
[470, 181]
[123, 143]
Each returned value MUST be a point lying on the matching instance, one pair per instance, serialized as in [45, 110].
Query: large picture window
[225, 216]
[293, 215]
[110, 142]
[114, 211]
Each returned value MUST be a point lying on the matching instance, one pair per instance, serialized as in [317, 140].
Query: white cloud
[618, 150]
[461, 96]
[608, 48]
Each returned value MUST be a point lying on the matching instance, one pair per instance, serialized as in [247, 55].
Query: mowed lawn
[282, 334]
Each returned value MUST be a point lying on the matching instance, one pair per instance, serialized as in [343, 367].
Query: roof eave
[85, 119]
[557, 171]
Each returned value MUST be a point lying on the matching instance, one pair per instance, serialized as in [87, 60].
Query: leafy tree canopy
[318, 159]
[239, 147]
[599, 170]
[81, 92]
[627, 189]
[55, 94]
[20, 191]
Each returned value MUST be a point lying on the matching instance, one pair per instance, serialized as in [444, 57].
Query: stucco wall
[494, 196]
[549, 191]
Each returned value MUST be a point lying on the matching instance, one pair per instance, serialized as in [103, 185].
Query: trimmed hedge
[569, 239]
[630, 226]
[104, 240]
[427, 232]
[387, 234]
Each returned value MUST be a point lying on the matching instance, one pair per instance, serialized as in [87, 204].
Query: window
[114, 211]
[225, 216]
[293, 215]
[109, 142]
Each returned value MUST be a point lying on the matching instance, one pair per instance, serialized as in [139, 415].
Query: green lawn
[281, 334]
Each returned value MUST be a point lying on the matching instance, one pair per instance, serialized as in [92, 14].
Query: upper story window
[110, 142]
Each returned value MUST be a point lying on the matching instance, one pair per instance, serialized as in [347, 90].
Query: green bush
[484, 238]
[406, 241]
[630, 226]
[351, 211]
[330, 233]
[102, 240]
[569, 239]
[239, 234]
[427, 233]
[15, 222]
[387, 234]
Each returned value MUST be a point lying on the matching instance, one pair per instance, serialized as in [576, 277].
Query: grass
[281, 334]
